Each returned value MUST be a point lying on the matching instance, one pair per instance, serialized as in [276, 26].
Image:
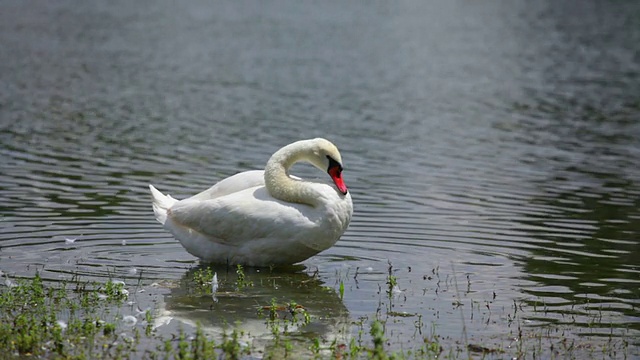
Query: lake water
[492, 150]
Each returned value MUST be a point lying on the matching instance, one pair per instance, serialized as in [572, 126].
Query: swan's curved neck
[278, 182]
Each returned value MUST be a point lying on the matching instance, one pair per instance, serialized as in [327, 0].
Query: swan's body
[264, 218]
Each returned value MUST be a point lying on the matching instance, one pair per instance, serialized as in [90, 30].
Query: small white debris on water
[61, 324]
[124, 242]
[162, 321]
[69, 240]
[142, 311]
[9, 283]
[396, 290]
[369, 269]
[132, 271]
[214, 283]
[129, 320]
[214, 286]
[126, 338]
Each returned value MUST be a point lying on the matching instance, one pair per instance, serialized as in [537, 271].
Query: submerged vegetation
[70, 320]
[77, 319]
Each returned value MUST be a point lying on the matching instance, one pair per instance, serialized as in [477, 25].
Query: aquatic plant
[74, 319]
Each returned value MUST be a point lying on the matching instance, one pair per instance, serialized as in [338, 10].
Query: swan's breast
[338, 210]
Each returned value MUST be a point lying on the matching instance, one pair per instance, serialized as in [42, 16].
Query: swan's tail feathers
[161, 203]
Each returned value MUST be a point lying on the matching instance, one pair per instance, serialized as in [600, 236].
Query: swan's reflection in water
[247, 308]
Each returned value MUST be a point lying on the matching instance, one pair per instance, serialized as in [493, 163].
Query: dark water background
[493, 146]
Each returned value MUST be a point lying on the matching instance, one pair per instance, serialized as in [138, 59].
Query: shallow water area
[492, 152]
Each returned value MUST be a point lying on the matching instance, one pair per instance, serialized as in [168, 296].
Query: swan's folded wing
[232, 184]
[242, 216]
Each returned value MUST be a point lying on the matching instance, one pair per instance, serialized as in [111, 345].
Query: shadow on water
[243, 300]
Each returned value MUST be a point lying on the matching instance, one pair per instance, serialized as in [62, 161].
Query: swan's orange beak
[335, 172]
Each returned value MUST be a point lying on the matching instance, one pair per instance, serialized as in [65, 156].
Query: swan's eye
[333, 164]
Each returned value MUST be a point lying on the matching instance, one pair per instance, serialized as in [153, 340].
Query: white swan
[264, 218]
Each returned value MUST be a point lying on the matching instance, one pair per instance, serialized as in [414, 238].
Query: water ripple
[512, 168]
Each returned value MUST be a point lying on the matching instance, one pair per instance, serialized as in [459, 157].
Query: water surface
[492, 150]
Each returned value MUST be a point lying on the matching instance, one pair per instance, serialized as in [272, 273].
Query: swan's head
[326, 157]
